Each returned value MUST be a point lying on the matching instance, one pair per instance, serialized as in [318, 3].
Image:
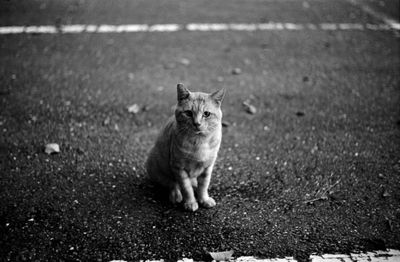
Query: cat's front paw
[208, 202]
[191, 206]
[175, 196]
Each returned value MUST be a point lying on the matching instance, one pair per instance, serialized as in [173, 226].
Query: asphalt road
[315, 170]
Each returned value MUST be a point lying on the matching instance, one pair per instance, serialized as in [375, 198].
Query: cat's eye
[206, 114]
[188, 113]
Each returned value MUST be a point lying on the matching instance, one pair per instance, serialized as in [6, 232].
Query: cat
[185, 151]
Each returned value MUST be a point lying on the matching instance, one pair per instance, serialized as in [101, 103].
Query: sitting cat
[184, 154]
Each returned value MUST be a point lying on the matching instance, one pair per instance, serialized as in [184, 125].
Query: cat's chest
[199, 153]
[196, 154]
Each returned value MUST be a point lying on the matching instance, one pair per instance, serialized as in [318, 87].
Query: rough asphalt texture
[315, 170]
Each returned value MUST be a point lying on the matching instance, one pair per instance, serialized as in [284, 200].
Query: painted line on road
[193, 27]
[393, 23]
[390, 255]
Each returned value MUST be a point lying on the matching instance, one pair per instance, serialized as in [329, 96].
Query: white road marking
[390, 255]
[203, 27]
[394, 24]
[254, 259]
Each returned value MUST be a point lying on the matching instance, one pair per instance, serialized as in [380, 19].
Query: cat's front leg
[189, 201]
[202, 191]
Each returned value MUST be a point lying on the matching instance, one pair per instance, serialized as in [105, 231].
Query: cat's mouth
[200, 131]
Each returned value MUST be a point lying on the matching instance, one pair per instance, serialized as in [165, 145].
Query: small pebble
[185, 61]
[106, 121]
[385, 193]
[236, 71]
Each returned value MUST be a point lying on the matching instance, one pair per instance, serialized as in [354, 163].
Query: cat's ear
[218, 96]
[183, 92]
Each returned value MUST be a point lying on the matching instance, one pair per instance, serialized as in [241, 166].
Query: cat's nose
[196, 123]
[197, 120]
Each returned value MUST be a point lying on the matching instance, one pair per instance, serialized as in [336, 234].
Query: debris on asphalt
[389, 224]
[106, 121]
[169, 65]
[225, 124]
[385, 193]
[236, 71]
[220, 79]
[34, 118]
[247, 61]
[326, 194]
[52, 148]
[184, 61]
[320, 198]
[147, 107]
[380, 175]
[336, 196]
[222, 256]
[306, 5]
[134, 109]
[80, 150]
[300, 113]
[266, 128]
[314, 149]
[305, 79]
[249, 107]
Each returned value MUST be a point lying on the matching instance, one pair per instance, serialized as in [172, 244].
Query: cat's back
[158, 160]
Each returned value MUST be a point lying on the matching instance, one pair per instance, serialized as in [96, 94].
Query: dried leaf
[222, 256]
[134, 109]
[52, 148]
[225, 124]
[249, 108]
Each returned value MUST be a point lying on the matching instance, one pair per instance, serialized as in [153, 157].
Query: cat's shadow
[141, 195]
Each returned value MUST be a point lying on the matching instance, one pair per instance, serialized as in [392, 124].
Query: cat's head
[198, 113]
